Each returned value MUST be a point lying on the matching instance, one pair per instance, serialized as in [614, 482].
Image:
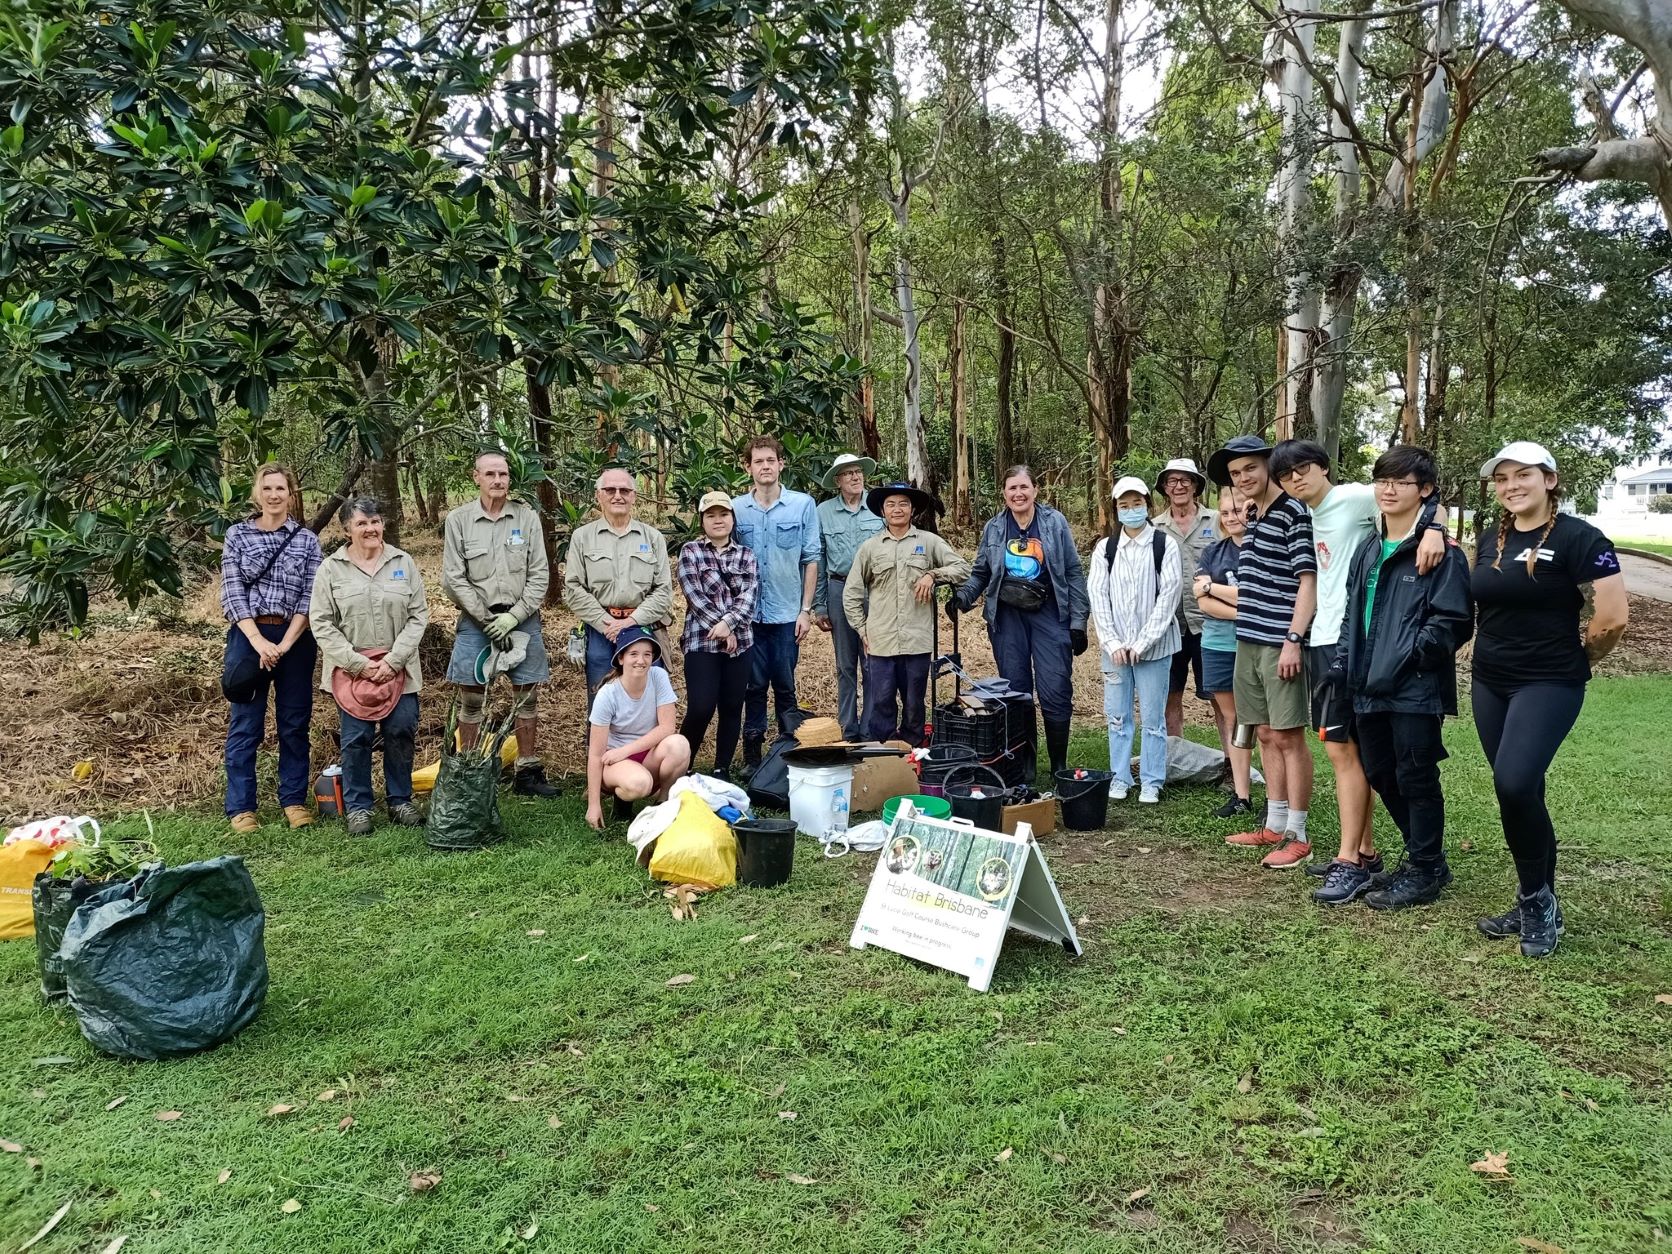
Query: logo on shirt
[1024, 558]
[516, 537]
[1325, 557]
[1607, 561]
[1544, 555]
[644, 548]
[918, 549]
[397, 573]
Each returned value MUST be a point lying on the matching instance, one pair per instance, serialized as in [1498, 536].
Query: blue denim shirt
[1062, 567]
[784, 540]
[843, 531]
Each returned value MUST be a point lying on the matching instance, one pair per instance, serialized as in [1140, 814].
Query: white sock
[1297, 826]
[1277, 814]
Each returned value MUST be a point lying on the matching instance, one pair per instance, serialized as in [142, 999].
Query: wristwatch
[1294, 637]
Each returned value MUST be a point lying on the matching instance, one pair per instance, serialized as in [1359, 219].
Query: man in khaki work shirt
[494, 568]
[617, 576]
[889, 597]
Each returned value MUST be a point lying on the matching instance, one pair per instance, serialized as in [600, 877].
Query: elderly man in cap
[1191, 524]
[494, 568]
[617, 576]
[889, 597]
[845, 523]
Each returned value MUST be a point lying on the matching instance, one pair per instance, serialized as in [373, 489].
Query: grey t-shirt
[626, 718]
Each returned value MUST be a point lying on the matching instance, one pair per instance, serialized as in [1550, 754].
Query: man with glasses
[617, 576]
[845, 523]
[1344, 516]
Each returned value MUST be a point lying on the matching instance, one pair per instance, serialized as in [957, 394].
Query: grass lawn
[1653, 546]
[1228, 1068]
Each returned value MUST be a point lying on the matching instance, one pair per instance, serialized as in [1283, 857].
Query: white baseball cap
[1523, 451]
[1130, 483]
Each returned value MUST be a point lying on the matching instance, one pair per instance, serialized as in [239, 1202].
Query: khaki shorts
[1261, 697]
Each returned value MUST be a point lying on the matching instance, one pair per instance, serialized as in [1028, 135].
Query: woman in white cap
[1133, 579]
[1191, 524]
[1531, 664]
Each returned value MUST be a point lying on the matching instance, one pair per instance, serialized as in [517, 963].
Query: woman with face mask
[1134, 578]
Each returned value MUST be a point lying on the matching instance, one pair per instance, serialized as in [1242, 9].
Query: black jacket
[1408, 662]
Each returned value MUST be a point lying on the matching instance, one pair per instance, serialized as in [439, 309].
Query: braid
[1532, 557]
[1503, 536]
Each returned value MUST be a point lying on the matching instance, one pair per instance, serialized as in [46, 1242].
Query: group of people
[1296, 603]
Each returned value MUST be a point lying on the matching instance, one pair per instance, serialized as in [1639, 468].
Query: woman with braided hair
[1532, 662]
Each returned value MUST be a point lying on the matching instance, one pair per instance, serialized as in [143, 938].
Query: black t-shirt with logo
[1527, 626]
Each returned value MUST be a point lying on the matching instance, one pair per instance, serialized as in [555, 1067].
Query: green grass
[557, 1080]
[1653, 546]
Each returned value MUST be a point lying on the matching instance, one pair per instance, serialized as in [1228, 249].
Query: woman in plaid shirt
[720, 582]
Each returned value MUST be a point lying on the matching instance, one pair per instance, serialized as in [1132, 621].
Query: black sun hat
[1237, 446]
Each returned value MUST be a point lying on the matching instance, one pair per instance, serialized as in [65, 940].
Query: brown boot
[245, 822]
[299, 816]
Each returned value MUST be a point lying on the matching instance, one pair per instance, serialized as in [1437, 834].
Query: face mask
[1133, 517]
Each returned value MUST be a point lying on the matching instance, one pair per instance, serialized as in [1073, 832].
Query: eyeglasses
[1395, 483]
[618, 491]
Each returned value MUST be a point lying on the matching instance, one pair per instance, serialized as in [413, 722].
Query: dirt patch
[1108, 871]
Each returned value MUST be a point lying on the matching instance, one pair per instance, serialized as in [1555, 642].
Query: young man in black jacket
[1397, 659]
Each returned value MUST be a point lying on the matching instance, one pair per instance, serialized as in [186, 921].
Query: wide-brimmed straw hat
[1183, 466]
[846, 461]
[366, 699]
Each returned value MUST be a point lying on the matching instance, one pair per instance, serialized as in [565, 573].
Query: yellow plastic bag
[697, 848]
[20, 862]
[423, 779]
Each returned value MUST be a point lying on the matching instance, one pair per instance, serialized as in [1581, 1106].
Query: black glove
[1333, 686]
[953, 609]
[1077, 638]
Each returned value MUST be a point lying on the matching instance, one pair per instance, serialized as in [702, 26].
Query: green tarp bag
[464, 808]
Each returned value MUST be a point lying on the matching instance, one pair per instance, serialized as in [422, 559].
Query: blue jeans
[894, 688]
[845, 640]
[400, 737]
[1033, 651]
[772, 660]
[1149, 681]
[292, 684]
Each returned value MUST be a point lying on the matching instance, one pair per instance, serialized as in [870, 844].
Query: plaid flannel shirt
[718, 584]
[287, 588]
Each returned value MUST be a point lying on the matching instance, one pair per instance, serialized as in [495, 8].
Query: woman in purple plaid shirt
[720, 581]
[267, 573]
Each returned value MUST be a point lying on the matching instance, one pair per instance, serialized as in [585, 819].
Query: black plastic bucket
[942, 763]
[985, 811]
[765, 851]
[1085, 798]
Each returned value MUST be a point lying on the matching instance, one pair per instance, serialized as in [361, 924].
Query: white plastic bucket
[819, 798]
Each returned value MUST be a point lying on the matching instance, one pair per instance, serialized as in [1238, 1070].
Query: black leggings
[715, 681]
[1520, 731]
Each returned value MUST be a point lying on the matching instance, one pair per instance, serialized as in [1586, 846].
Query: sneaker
[359, 822]
[1343, 883]
[1372, 865]
[530, 781]
[1503, 926]
[721, 773]
[406, 815]
[1539, 936]
[299, 816]
[1234, 805]
[1287, 856]
[1407, 886]
[1260, 837]
[1254, 775]
[1149, 796]
[1118, 790]
[245, 822]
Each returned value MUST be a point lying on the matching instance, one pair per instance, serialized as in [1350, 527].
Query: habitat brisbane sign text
[944, 892]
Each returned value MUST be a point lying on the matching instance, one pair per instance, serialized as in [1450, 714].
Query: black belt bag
[1022, 594]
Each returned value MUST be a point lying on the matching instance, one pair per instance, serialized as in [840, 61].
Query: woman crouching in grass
[633, 749]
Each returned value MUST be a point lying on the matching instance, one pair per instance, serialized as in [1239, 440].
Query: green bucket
[928, 807]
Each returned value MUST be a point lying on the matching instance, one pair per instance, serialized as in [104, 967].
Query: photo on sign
[982, 865]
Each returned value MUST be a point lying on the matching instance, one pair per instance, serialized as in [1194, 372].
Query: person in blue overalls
[1033, 588]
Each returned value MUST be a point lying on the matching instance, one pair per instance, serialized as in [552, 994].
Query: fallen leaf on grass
[744, 940]
[274, 1111]
[329, 1095]
[652, 1209]
[1120, 1031]
[527, 1234]
[34, 1164]
[115, 1246]
[1533, 1243]
[226, 1174]
[576, 1050]
[156, 1195]
[787, 1114]
[1136, 1196]
[515, 1097]
[424, 1181]
[536, 931]
[54, 1060]
[1060, 1160]
[114, 1102]
[1663, 999]
[793, 1178]
[679, 981]
[82, 771]
[584, 957]
[1493, 1166]
[11, 1147]
[1245, 1085]
[1467, 846]
[1469, 958]
[290, 1207]
[345, 1123]
[168, 1116]
[552, 1121]
[1145, 849]
[1003, 1155]
[47, 1227]
[1590, 1104]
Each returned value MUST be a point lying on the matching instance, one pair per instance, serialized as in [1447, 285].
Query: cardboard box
[876, 780]
[1041, 814]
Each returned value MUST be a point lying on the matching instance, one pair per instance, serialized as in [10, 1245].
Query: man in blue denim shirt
[845, 523]
[781, 528]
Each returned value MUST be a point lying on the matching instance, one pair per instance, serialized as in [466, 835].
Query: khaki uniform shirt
[885, 570]
[1191, 544]
[353, 610]
[627, 570]
[494, 561]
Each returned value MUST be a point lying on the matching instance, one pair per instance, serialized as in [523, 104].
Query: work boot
[1539, 934]
[359, 822]
[1503, 926]
[1056, 742]
[299, 816]
[245, 822]
[752, 747]
[530, 781]
[407, 815]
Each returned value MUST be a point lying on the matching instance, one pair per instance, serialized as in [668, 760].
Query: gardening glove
[500, 627]
[1077, 638]
[953, 609]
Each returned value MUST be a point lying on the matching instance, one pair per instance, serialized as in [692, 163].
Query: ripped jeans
[1149, 682]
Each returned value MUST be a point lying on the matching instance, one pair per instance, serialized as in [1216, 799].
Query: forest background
[372, 238]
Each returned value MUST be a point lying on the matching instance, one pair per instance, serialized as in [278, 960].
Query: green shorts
[1262, 698]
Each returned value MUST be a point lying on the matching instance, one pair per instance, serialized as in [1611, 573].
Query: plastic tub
[765, 851]
[1084, 795]
[928, 807]
[979, 794]
[820, 797]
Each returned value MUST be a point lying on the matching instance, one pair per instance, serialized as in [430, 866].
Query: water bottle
[839, 810]
[328, 792]
[577, 647]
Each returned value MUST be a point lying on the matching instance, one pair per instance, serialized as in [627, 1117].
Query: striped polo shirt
[1276, 552]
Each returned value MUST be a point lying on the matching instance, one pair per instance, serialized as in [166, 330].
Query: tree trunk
[959, 488]
[917, 443]
[1341, 288]
[1109, 362]
[869, 437]
[1004, 435]
[1289, 50]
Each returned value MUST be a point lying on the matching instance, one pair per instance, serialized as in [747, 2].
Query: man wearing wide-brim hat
[889, 597]
[1191, 524]
[845, 523]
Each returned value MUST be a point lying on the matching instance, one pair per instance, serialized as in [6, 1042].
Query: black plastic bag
[55, 899]
[464, 808]
[769, 786]
[170, 962]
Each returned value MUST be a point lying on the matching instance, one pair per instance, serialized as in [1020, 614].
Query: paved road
[1646, 578]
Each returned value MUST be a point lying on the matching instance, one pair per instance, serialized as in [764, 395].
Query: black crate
[1005, 728]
